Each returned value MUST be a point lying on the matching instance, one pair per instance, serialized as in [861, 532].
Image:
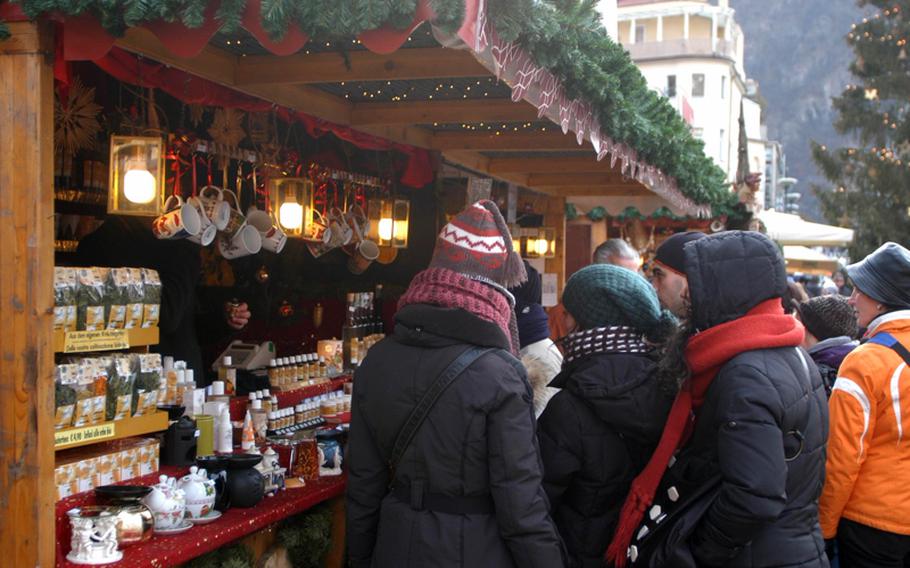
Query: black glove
[831, 548]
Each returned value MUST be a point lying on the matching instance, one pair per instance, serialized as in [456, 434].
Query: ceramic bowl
[242, 461]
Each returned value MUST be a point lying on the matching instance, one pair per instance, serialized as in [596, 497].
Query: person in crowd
[830, 323]
[866, 499]
[128, 241]
[794, 296]
[601, 428]
[842, 282]
[668, 273]
[612, 251]
[750, 423]
[457, 481]
[540, 356]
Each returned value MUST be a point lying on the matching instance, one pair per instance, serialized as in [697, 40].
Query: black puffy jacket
[763, 425]
[595, 436]
[478, 441]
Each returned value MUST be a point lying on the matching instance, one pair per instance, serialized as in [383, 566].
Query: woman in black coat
[466, 491]
[600, 429]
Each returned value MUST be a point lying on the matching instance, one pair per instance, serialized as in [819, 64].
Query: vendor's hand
[238, 316]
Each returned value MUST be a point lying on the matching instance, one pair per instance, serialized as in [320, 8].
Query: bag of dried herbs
[147, 367]
[64, 298]
[91, 392]
[151, 282]
[119, 389]
[90, 299]
[115, 291]
[135, 299]
[65, 395]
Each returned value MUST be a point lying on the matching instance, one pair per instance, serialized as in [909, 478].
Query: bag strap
[885, 339]
[428, 401]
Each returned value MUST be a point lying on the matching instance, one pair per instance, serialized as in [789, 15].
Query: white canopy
[789, 229]
[808, 261]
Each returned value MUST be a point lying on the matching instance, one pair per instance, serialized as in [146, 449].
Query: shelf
[290, 398]
[107, 431]
[104, 340]
[167, 551]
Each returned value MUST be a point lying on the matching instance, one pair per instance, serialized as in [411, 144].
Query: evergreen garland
[564, 36]
[307, 537]
[233, 556]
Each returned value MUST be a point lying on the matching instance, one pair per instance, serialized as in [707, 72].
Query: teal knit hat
[602, 295]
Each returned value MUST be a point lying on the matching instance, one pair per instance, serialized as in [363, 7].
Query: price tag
[92, 433]
[101, 340]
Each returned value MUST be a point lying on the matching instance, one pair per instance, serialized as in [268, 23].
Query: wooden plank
[333, 67]
[585, 162]
[126, 428]
[570, 179]
[443, 112]
[597, 190]
[506, 141]
[137, 338]
[26, 296]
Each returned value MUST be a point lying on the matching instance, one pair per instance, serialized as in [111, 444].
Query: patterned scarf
[612, 339]
[450, 289]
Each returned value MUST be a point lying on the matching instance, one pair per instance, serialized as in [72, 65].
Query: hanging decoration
[262, 275]
[197, 114]
[227, 128]
[571, 212]
[597, 214]
[76, 124]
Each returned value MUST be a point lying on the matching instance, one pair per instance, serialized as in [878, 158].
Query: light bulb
[139, 185]
[541, 246]
[385, 229]
[290, 215]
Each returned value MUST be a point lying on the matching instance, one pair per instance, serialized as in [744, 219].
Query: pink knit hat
[477, 243]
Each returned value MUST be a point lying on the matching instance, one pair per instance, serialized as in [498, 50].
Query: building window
[639, 34]
[671, 86]
[723, 146]
[698, 84]
[723, 87]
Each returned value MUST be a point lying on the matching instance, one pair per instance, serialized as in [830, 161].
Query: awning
[807, 261]
[789, 229]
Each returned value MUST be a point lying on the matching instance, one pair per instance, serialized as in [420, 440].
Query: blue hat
[884, 275]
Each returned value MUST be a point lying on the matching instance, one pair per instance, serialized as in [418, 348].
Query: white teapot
[167, 503]
[199, 492]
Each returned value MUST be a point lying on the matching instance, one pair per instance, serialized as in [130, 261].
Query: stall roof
[788, 229]
[807, 261]
[492, 99]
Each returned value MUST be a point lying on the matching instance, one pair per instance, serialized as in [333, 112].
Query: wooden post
[26, 296]
[555, 216]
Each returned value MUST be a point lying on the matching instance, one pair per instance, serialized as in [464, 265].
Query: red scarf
[450, 289]
[765, 326]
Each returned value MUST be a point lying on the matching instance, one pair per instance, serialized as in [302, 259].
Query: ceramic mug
[180, 221]
[357, 220]
[273, 238]
[366, 253]
[205, 237]
[216, 208]
[236, 221]
[338, 233]
[245, 242]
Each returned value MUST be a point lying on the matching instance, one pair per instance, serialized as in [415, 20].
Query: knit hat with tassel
[478, 244]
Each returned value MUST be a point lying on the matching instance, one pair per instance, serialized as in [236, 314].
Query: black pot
[216, 467]
[245, 485]
[121, 494]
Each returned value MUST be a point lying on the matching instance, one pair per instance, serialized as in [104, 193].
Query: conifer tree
[871, 179]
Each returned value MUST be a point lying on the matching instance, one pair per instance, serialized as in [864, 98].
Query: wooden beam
[332, 67]
[429, 112]
[507, 141]
[637, 190]
[584, 162]
[564, 180]
[26, 296]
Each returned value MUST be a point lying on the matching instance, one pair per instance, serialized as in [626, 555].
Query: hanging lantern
[535, 242]
[291, 202]
[136, 176]
[389, 222]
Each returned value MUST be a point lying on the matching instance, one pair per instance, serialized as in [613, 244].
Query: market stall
[807, 261]
[336, 143]
[789, 229]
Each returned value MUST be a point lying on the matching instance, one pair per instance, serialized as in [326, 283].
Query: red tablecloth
[164, 551]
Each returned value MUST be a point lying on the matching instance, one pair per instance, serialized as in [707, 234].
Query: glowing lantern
[136, 176]
[292, 205]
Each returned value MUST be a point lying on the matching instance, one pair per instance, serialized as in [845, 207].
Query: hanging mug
[338, 233]
[236, 220]
[205, 237]
[273, 238]
[180, 221]
[366, 253]
[357, 220]
[318, 228]
[216, 208]
[245, 242]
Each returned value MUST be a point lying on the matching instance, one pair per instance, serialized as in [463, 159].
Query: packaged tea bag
[135, 298]
[65, 395]
[151, 282]
[84, 413]
[116, 289]
[64, 298]
[147, 367]
[90, 298]
[119, 389]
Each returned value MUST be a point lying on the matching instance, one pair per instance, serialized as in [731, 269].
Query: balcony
[700, 47]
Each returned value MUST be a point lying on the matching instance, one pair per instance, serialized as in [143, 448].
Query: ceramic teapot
[199, 493]
[167, 503]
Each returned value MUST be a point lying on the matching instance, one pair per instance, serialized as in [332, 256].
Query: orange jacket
[867, 477]
[557, 327]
